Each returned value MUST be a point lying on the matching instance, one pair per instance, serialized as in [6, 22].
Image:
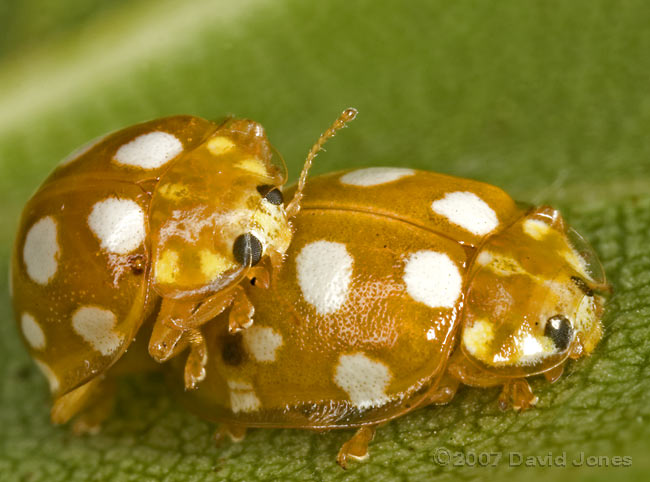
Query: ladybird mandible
[159, 222]
[398, 286]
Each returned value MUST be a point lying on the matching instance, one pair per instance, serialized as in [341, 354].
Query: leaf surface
[547, 99]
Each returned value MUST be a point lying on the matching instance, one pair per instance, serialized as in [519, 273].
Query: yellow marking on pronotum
[536, 229]
[173, 192]
[478, 337]
[220, 145]
[252, 165]
[167, 267]
[213, 264]
[501, 265]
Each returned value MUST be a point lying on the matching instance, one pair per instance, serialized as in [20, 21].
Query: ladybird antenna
[346, 116]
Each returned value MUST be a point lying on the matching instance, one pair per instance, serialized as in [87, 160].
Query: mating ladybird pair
[374, 292]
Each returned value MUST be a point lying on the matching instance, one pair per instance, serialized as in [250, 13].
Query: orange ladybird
[160, 221]
[398, 286]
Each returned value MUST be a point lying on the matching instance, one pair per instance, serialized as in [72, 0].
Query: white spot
[149, 151]
[32, 331]
[242, 397]
[468, 211]
[41, 250]
[262, 342]
[373, 176]
[433, 279]
[364, 380]
[324, 272]
[535, 228]
[118, 224]
[95, 325]
[49, 374]
[80, 151]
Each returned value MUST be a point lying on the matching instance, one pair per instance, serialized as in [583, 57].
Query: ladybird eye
[558, 329]
[271, 193]
[247, 250]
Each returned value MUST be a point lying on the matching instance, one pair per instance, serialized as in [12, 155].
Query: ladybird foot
[517, 394]
[241, 313]
[166, 342]
[176, 319]
[357, 447]
[91, 404]
[70, 404]
[90, 420]
[225, 431]
[196, 361]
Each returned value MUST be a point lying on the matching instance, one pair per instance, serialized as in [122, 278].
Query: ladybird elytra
[141, 226]
[387, 302]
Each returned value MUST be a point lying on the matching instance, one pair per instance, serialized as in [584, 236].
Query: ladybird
[157, 224]
[398, 286]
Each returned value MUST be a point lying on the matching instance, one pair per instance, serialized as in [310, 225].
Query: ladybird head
[533, 298]
[218, 211]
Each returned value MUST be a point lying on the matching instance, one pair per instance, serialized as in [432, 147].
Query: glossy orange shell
[79, 295]
[346, 303]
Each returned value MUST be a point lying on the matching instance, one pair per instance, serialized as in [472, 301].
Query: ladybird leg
[443, 392]
[184, 316]
[90, 420]
[92, 403]
[197, 359]
[517, 394]
[554, 374]
[357, 447]
[67, 406]
[176, 318]
[166, 342]
[267, 269]
[166, 337]
[235, 433]
[241, 313]
[208, 309]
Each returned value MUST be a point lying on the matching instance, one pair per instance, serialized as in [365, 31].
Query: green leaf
[546, 98]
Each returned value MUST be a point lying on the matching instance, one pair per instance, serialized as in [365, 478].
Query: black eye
[558, 329]
[247, 250]
[271, 194]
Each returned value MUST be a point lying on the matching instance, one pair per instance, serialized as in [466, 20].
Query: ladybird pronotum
[162, 223]
[398, 286]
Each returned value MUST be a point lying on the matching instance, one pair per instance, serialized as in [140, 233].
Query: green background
[548, 99]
